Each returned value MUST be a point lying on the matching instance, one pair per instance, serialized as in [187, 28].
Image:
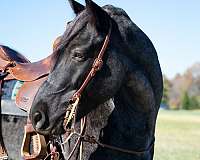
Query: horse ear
[99, 18]
[77, 7]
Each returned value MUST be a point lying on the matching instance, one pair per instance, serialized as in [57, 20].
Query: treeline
[183, 91]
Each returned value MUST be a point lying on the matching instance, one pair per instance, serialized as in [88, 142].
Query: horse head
[130, 75]
[78, 48]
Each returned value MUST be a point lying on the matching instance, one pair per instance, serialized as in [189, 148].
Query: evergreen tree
[186, 101]
[166, 83]
[190, 102]
[194, 104]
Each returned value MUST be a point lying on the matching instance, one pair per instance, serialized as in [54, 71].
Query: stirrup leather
[39, 147]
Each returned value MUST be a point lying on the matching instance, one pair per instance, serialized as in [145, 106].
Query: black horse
[123, 98]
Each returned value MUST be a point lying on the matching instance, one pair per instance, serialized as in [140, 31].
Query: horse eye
[79, 56]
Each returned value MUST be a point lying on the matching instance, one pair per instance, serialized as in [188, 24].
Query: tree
[190, 102]
[194, 103]
[186, 101]
[165, 98]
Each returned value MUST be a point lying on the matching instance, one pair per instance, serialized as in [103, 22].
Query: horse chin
[54, 129]
[57, 129]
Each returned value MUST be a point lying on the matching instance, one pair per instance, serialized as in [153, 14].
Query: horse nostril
[37, 116]
[39, 120]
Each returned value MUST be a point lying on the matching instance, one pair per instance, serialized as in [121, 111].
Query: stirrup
[3, 154]
[38, 142]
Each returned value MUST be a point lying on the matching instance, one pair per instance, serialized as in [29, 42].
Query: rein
[71, 111]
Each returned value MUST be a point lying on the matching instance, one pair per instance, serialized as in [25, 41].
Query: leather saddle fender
[27, 92]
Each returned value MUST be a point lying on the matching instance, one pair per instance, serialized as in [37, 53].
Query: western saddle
[14, 66]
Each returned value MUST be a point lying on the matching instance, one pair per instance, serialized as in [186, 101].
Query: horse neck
[124, 127]
[118, 123]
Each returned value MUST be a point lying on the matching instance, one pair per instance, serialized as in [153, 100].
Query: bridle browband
[70, 116]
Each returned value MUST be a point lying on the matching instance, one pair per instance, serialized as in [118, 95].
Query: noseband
[70, 116]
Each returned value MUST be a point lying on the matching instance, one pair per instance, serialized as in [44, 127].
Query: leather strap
[78, 142]
[93, 140]
[70, 114]
[97, 65]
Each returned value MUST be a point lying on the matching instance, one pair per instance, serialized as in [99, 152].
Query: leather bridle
[70, 116]
[96, 66]
[72, 109]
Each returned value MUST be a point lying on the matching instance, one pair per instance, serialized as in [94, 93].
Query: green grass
[178, 135]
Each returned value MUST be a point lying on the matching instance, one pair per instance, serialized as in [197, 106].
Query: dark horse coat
[122, 100]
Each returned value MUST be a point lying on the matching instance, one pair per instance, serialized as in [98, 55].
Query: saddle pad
[27, 92]
[16, 89]
[9, 91]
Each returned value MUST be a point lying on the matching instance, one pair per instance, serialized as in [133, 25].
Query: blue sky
[173, 26]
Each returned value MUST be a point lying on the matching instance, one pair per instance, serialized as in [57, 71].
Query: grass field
[178, 135]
